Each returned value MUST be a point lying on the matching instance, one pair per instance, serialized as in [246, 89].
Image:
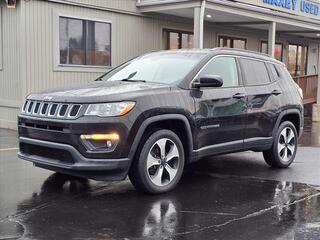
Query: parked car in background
[153, 115]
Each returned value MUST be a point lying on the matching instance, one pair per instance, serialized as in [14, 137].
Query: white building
[54, 43]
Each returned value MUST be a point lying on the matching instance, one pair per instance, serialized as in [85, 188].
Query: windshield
[162, 67]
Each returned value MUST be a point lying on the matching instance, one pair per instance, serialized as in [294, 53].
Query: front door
[221, 111]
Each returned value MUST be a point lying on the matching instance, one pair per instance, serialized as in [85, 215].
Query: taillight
[299, 89]
[300, 92]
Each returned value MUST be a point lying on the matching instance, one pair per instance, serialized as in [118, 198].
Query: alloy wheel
[163, 162]
[286, 144]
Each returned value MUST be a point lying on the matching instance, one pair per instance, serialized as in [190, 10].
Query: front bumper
[69, 131]
[65, 158]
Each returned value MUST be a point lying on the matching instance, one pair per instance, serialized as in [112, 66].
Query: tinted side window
[255, 72]
[273, 71]
[226, 68]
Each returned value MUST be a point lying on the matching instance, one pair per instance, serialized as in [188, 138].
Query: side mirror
[209, 81]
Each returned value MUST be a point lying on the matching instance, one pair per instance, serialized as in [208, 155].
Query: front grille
[43, 126]
[51, 109]
[36, 108]
[46, 152]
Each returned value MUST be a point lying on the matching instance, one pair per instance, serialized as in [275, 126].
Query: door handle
[239, 95]
[276, 92]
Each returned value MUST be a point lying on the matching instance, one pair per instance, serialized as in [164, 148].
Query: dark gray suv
[154, 114]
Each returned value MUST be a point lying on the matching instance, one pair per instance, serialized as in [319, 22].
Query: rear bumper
[76, 164]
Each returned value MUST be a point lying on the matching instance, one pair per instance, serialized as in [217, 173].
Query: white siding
[313, 53]
[131, 36]
[122, 5]
[10, 79]
[32, 29]
[8, 117]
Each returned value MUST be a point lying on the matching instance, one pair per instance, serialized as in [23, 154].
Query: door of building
[175, 39]
[297, 60]
[232, 42]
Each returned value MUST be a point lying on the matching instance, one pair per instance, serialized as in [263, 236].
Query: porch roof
[238, 13]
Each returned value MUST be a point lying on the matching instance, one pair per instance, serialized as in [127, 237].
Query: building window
[232, 42]
[278, 49]
[297, 60]
[178, 39]
[84, 42]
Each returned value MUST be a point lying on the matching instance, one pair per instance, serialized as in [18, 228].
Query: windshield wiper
[128, 79]
[132, 80]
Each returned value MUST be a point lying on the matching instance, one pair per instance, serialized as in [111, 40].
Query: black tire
[276, 158]
[140, 176]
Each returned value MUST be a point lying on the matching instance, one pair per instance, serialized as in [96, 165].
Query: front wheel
[159, 163]
[284, 147]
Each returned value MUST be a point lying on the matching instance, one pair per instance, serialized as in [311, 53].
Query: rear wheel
[159, 163]
[284, 147]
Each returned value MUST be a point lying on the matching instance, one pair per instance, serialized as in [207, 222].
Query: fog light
[100, 142]
[101, 137]
[109, 144]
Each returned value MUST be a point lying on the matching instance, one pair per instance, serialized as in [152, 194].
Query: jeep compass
[151, 116]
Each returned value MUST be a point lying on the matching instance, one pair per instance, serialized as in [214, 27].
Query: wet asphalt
[234, 196]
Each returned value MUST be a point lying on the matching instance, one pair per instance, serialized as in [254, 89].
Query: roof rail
[249, 51]
[241, 50]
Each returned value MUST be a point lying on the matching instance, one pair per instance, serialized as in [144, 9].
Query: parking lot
[235, 196]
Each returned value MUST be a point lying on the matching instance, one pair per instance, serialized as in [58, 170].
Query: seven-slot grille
[51, 109]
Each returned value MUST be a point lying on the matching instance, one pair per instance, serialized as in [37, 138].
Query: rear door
[220, 111]
[263, 103]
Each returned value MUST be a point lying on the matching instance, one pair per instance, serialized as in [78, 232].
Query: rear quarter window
[254, 72]
[274, 74]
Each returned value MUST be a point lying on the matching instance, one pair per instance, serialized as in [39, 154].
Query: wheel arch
[166, 121]
[292, 115]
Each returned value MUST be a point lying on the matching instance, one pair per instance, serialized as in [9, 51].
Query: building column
[316, 107]
[272, 38]
[198, 19]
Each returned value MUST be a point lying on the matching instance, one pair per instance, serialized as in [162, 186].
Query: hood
[100, 92]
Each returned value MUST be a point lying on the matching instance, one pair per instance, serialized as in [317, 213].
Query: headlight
[109, 109]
